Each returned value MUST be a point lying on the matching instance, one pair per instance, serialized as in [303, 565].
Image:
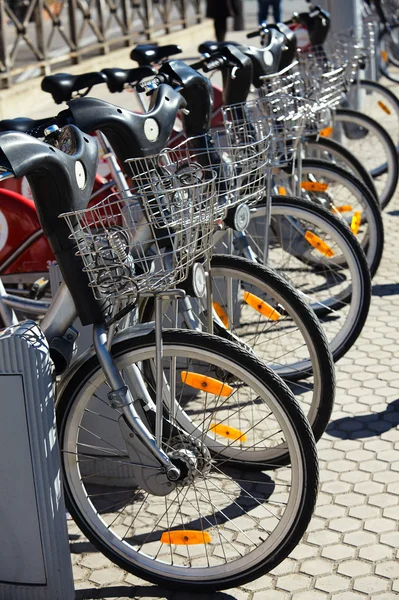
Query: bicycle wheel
[324, 148]
[351, 200]
[220, 526]
[260, 310]
[379, 102]
[373, 146]
[305, 241]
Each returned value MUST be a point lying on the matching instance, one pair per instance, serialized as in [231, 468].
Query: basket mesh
[146, 239]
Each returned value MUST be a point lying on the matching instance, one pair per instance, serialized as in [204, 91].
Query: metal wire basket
[146, 239]
[283, 115]
[238, 154]
[291, 81]
[326, 74]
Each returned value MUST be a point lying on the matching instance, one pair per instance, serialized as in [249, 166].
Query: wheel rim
[287, 481]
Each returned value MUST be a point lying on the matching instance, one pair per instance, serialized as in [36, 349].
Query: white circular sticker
[80, 174]
[3, 231]
[268, 58]
[151, 130]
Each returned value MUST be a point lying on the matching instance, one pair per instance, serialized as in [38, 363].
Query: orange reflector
[318, 243]
[384, 55]
[207, 384]
[344, 208]
[384, 107]
[326, 132]
[185, 537]
[314, 186]
[261, 306]
[282, 191]
[228, 432]
[221, 313]
[356, 222]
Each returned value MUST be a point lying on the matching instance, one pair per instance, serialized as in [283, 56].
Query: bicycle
[176, 455]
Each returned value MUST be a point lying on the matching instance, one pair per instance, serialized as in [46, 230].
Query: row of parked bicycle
[223, 265]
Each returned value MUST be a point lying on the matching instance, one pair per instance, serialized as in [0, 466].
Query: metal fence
[37, 35]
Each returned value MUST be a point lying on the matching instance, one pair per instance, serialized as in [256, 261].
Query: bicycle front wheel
[305, 241]
[221, 526]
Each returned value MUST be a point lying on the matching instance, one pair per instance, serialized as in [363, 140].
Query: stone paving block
[294, 582]
[309, 595]
[107, 576]
[370, 585]
[389, 568]
[360, 538]
[378, 525]
[269, 595]
[347, 596]
[316, 566]
[338, 551]
[332, 583]
[354, 568]
[375, 552]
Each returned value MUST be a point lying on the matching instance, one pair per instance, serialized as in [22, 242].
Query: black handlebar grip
[253, 34]
[213, 64]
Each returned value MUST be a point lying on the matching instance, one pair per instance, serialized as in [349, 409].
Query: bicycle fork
[154, 470]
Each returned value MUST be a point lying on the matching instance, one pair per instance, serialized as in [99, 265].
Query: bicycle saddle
[117, 78]
[23, 124]
[209, 47]
[61, 178]
[62, 85]
[147, 54]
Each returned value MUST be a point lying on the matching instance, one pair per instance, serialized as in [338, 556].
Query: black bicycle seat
[62, 85]
[23, 124]
[209, 47]
[117, 78]
[148, 54]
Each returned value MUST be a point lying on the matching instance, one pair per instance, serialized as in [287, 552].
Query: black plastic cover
[52, 177]
[126, 131]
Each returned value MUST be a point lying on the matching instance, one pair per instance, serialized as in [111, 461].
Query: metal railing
[38, 35]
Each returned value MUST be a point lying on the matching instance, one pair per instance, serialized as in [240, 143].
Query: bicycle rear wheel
[221, 526]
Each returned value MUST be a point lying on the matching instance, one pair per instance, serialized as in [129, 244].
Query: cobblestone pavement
[350, 550]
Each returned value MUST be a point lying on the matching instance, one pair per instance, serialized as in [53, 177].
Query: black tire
[303, 501]
[374, 251]
[325, 145]
[343, 116]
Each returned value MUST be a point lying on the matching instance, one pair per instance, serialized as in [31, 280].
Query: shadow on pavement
[145, 591]
[364, 426]
[386, 289]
